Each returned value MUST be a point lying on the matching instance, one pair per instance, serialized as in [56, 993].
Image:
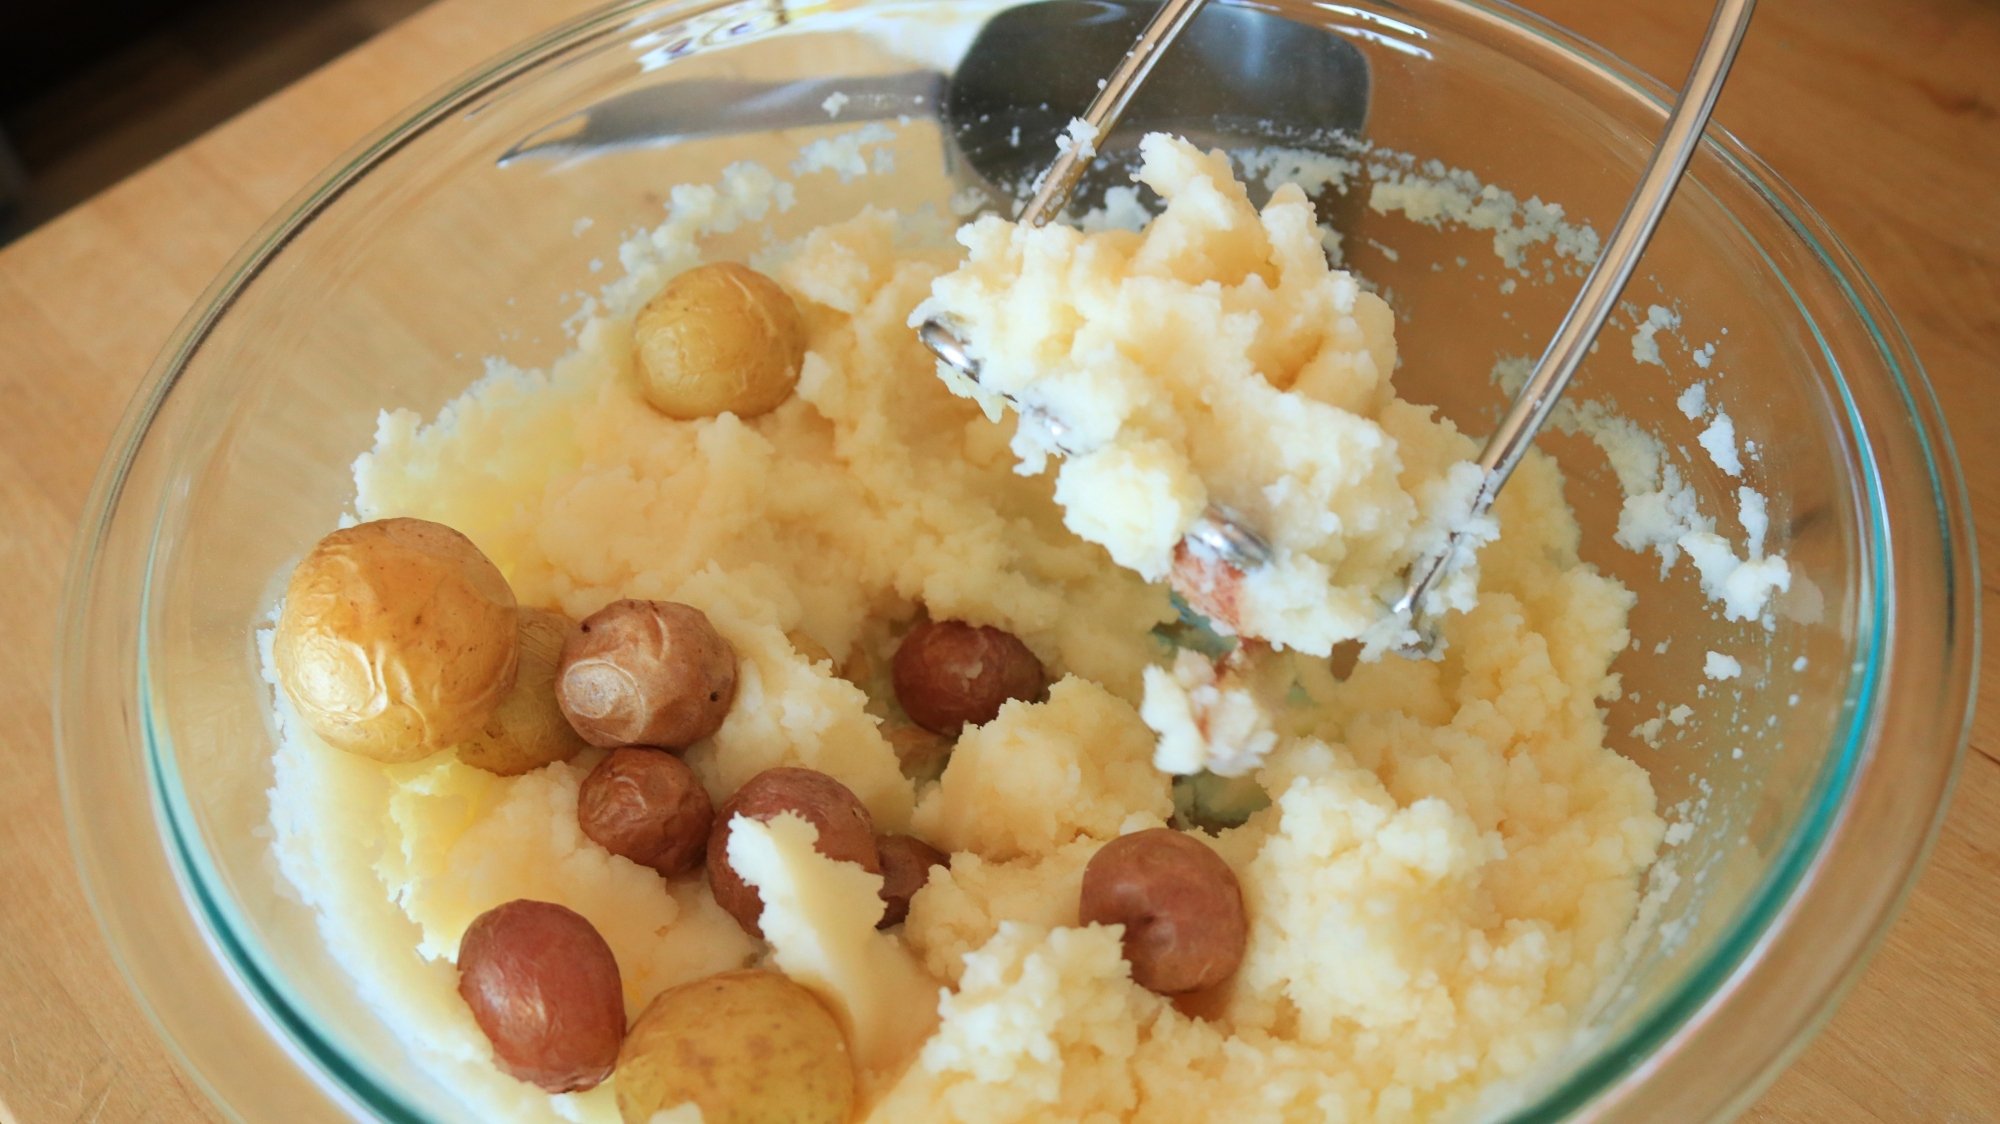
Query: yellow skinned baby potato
[397, 639]
[720, 338]
[744, 1047]
[528, 729]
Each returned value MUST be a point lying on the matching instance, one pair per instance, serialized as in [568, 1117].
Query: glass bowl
[1808, 791]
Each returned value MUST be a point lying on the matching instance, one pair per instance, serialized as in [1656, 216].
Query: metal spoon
[1239, 77]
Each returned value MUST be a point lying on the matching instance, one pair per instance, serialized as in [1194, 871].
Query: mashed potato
[1449, 854]
[1215, 360]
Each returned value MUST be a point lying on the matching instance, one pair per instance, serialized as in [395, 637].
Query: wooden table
[1885, 113]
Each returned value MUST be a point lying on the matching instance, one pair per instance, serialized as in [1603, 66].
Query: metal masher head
[1223, 538]
[1218, 535]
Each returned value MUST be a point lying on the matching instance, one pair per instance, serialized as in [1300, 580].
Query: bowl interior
[400, 282]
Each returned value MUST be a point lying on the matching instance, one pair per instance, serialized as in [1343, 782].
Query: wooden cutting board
[1885, 113]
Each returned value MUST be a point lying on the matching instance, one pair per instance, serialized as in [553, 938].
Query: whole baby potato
[647, 805]
[846, 831]
[646, 673]
[1185, 927]
[746, 1047]
[719, 338]
[950, 674]
[398, 638]
[544, 988]
[528, 729]
[906, 866]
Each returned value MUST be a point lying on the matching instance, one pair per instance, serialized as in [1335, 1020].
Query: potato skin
[949, 674]
[646, 673]
[846, 831]
[748, 1047]
[397, 639]
[1185, 926]
[528, 730]
[544, 988]
[906, 866]
[718, 338]
[648, 806]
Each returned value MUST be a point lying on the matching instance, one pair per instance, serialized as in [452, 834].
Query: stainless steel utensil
[1217, 533]
[1599, 295]
[1239, 76]
[1225, 538]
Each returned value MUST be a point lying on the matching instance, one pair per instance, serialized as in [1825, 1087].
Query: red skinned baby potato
[1185, 927]
[647, 805]
[906, 866]
[950, 674]
[544, 988]
[646, 673]
[846, 831]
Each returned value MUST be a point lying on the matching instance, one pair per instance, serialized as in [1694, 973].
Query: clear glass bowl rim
[1614, 1068]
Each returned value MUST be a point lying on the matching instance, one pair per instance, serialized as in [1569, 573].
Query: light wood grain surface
[1885, 113]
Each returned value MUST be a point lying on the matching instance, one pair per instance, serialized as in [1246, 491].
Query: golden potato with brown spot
[397, 639]
[719, 338]
[745, 1047]
[528, 730]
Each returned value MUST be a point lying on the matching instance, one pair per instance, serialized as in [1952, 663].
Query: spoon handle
[1056, 184]
[1586, 317]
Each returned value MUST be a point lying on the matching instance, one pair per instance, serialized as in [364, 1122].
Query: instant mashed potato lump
[1449, 855]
